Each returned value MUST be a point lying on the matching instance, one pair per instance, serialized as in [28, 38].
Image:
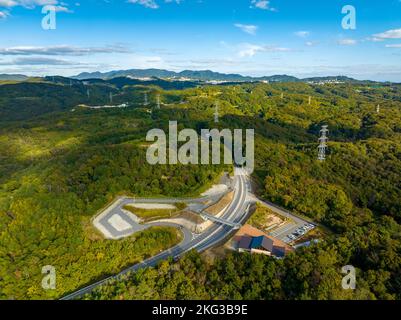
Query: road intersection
[236, 214]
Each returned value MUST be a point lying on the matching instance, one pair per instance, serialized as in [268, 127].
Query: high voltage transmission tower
[158, 101]
[323, 143]
[378, 108]
[216, 112]
[146, 102]
[111, 97]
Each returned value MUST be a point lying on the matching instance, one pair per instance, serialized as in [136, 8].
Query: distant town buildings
[323, 82]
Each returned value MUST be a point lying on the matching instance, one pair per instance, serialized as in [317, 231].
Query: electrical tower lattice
[158, 101]
[323, 143]
[216, 113]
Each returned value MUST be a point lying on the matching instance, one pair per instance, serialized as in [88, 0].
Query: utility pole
[216, 112]
[323, 143]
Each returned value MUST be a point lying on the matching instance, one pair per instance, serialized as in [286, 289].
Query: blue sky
[251, 37]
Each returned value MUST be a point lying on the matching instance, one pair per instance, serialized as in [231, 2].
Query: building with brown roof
[251, 239]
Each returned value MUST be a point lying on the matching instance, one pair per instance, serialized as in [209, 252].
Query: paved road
[236, 212]
[102, 221]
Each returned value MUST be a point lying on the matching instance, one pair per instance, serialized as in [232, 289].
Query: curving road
[236, 212]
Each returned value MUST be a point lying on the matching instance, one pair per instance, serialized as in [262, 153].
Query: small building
[253, 240]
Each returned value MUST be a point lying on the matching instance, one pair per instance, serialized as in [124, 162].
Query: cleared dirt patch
[265, 219]
[215, 189]
[153, 206]
[223, 203]
[147, 212]
[190, 220]
[191, 217]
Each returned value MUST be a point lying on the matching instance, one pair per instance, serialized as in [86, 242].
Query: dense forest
[60, 164]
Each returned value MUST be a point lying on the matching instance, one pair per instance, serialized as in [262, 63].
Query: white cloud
[63, 50]
[261, 4]
[249, 50]
[29, 4]
[374, 39]
[390, 34]
[152, 4]
[176, 1]
[63, 9]
[146, 3]
[302, 34]
[38, 61]
[347, 42]
[7, 3]
[311, 43]
[3, 14]
[398, 45]
[251, 29]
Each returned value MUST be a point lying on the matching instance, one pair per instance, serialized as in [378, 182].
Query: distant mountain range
[204, 75]
[187, 75]
[13, 77]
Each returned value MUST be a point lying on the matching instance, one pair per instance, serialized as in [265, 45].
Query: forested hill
[28, 99]
[31, 97]
[60, 163]
[201, 75]
[13, 77]
[190, 75]
[355, 192]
